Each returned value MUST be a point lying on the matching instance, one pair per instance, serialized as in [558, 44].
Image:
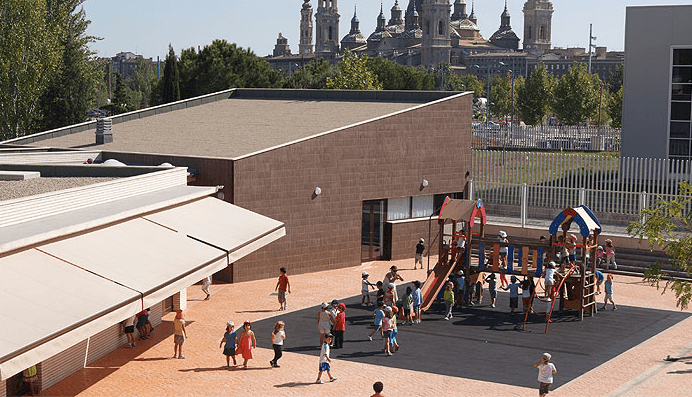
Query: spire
[355, 24]
[459, 10]
[504, 19]
[381, 20]
[472, 17]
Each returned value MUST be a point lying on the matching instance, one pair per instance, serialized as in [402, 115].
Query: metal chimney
[104, 130]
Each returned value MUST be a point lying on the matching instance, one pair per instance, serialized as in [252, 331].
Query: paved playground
[617, 353]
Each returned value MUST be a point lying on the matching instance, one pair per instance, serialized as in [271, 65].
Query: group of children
[144, 328]
[241, 344]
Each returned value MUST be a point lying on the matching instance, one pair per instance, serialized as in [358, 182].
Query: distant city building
[125, 63]
[281, 48]
[431, 33]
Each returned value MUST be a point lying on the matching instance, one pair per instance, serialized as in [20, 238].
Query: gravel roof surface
[231, 128]
[15, 189]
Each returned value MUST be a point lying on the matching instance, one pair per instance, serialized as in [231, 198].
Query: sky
[147, 27]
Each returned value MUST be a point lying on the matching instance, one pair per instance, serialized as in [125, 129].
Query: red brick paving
[150, 370]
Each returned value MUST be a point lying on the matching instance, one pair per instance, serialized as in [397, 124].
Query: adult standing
[546, 370]
[420, 248]
[390, 278]
[324, 322]
[180, 334]
[246, 342]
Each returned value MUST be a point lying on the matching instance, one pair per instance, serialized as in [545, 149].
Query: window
[398, 208]
[422, 206]
[330, 33]
[528, 36]
[680, 117]
[441, 29]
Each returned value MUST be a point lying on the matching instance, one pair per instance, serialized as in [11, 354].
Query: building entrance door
[373, 230]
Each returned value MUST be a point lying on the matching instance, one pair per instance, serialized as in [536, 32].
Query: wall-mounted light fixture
[318, 191]
[424, 183]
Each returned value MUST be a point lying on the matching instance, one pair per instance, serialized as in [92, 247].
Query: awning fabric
[59, 293]
[231, 228]
[40, 296]
[463, 210]
[582, 215]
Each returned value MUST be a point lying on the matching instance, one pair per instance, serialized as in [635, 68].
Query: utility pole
[591, 37]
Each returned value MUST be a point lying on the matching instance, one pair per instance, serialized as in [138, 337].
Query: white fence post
[643, 203]
[471, 190]
[582, 196]
[524, 204]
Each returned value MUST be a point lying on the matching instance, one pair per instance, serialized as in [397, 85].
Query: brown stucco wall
[381, 159]
[405, 236]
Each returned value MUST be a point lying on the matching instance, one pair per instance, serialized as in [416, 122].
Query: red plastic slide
[434, 283]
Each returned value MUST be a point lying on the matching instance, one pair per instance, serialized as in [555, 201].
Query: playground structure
[453, 246]
[575, 288]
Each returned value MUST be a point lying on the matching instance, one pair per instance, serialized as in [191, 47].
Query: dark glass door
[372, 230]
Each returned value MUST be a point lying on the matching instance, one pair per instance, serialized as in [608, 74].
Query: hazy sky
[147, 26]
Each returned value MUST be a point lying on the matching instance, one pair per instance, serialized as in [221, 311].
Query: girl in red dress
[246, 343]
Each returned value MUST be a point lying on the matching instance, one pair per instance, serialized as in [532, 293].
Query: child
[379, 315]
[599, 281]
[205, 287]
[377, 387]
[364, 290]
[282, 286]
[278, 336]
[546, 370]
[504, 250]
[600, 256]
[339, 326]
[393, 344]
[609, 292]
[229, 338]
[246, 342]
[513, 294]
[379, 297]
[324, 322]
[564, 251]
[526, 293]
[461, 288]
[128, 328]
[610, 254]
[325, 360]
[417, 301]
[408, 305]
[390, 295]
[572, 256]
[180, 334]
[387, 330]
[420, 248]
[449, 300]
[549, 280]
[492, 287]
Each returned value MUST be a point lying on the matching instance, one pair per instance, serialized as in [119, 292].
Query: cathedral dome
[378, 36]
[465, 24]
[354, 38]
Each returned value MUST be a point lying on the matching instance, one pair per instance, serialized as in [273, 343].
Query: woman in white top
[391, 278]
[278, 336]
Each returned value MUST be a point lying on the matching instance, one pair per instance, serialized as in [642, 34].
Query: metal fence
[562, 138]
[531, 185]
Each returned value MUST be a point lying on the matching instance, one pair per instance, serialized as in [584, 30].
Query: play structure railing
[553, 293]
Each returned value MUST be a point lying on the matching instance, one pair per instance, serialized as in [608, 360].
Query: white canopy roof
[59, 293]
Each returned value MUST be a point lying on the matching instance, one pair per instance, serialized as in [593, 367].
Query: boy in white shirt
[546, 370]
[325, 360]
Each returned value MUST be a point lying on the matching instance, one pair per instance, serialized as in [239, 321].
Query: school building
[236, 183]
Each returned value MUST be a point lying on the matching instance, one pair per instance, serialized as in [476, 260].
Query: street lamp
[442, 78]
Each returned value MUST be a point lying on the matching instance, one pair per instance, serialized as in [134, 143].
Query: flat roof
[16, 189]
[232, 127]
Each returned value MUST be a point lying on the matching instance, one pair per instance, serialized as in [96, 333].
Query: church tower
[327, 28]
[538, 16]
[437, 44]
[305, 47]
[459, 10]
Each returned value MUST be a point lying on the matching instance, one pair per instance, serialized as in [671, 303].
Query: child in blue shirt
[229, 338]
[378, 314]
[609, 292]
[513, 294]
[417, 301]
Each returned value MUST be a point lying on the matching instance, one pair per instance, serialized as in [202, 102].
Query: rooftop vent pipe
[104, 131]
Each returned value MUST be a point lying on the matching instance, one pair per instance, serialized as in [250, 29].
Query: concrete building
[343, 170]
[86, 244]
[656, 109]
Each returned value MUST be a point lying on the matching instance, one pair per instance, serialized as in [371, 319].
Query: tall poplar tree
[171, 78]
[576, 95]
[29, 56]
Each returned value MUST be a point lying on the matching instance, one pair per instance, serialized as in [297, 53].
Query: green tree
[29, 56]
[501, 94]
[668, 225]
[312, 75]
[576, 95]
[74, 86]
[615, 79]
[142, 84]
[615, 109]
[354, 74]
[466, 82]
[170, 84]
[535, 97]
